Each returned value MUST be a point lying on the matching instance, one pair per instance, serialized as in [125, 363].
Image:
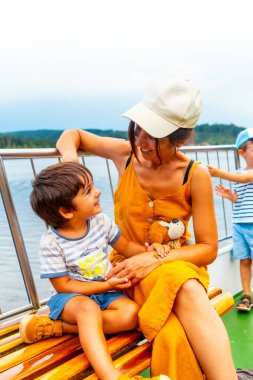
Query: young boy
[242, 197]
[73, 255]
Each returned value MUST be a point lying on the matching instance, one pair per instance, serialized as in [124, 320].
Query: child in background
[73, 255]
[242, 198]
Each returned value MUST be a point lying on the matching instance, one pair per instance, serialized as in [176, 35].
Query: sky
[82, 63]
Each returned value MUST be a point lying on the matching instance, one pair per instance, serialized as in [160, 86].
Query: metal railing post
[17, 238]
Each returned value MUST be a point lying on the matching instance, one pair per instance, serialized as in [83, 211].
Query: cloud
[63, 49]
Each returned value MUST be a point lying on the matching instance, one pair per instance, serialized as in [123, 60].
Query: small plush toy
[167, 233]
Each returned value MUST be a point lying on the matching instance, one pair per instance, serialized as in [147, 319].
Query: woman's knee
[189, 293]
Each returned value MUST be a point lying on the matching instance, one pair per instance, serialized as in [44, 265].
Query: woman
[159, 182]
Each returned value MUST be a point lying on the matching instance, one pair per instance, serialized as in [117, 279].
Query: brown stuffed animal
[167, 233]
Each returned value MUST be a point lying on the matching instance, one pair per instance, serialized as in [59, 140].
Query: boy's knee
[87, 307]
[246, 262]
[130, 316]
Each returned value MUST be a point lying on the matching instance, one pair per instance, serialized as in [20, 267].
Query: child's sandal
[245, 303]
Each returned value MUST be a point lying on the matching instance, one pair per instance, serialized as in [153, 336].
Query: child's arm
[235, 177]
[224, 192]
[67, 285]
[130, 248]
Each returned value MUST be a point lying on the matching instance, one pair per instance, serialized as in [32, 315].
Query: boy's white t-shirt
[82, 259]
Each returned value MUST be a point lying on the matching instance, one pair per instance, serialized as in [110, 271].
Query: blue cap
[244, 136]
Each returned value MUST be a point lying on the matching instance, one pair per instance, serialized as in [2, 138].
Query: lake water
[13, 293]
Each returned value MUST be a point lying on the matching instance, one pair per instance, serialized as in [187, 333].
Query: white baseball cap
[168, 104]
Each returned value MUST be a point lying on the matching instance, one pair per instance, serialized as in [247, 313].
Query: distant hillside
[205, 134]
[216, 134]
[45, 138]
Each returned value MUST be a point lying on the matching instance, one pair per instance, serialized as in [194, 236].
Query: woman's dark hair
[181, 135]
[55, 187]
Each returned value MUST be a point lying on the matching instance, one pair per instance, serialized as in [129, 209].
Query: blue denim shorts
[242, 241]
[58, 301]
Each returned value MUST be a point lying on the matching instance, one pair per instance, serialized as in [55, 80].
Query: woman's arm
[205, 249]
[117, 150]
[235, 177]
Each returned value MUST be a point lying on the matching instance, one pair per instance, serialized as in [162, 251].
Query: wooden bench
[63, 358]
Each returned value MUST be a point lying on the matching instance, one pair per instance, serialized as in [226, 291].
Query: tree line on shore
[204, 134]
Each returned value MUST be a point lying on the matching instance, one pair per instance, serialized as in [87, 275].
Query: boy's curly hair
[55, 187]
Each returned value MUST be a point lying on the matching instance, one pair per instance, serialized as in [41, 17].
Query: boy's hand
[161, 249]
[116, 283]
[224, 192]
[214, 172]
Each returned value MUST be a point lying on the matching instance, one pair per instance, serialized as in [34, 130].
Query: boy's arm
[130, 248]
[66, 285]
[235, 177]
[127, 248]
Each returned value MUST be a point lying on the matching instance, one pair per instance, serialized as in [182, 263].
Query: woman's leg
[172, 353]
[205, 331]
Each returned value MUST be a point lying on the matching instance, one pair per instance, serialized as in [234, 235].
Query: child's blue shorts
[242, 241]
[57, 302]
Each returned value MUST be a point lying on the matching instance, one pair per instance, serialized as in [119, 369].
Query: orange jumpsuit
[172, 354]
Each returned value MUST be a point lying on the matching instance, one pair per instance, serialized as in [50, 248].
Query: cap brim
[240, 143]
[151, 122]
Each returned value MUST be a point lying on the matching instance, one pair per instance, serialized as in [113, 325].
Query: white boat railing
[224, 157]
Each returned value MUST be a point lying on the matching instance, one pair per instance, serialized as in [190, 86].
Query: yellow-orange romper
[134, 213]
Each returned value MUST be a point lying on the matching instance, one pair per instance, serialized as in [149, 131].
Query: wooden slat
[30, 351]
[10, 342]
[213, 292]
[44, 362]
[133, 362]
[223, 303]
[80, 363]
[6, 329]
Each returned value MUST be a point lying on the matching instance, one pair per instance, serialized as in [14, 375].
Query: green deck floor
[239, 326]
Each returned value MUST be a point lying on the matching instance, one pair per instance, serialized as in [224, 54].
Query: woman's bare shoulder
[201, 178]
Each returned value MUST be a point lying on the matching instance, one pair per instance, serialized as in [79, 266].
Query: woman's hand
[135, 268]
